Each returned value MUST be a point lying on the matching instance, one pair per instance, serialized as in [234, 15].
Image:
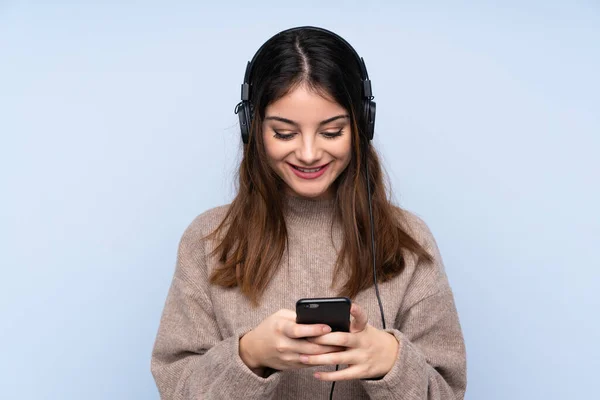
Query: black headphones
[245, 109]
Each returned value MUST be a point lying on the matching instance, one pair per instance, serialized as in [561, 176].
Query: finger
[296, 331]
[342, 339]
[302, 346]
[359, 323]
[332, 348]
[287, 314]
[346, 374]
[348, 357]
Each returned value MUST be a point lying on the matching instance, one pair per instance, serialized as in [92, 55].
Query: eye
[332, 135]
[282, 136]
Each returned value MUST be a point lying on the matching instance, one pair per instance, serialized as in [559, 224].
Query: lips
[309, 173]
[308, 169]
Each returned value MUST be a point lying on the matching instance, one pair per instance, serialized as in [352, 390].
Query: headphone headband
[244, 108]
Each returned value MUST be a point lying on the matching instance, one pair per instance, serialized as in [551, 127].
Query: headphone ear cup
[245, 120]
[249, 110]
[250, 114]
[370, 118]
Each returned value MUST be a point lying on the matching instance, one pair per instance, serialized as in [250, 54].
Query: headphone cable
[374, 263]
[373, 247]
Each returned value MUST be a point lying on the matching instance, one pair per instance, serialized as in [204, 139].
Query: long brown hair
[252, 236]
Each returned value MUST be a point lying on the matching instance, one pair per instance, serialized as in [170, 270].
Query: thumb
[360, 319]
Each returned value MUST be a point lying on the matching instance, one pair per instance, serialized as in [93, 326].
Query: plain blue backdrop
[117, 129]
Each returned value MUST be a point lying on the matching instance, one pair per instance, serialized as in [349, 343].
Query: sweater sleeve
[190, 359]
[431, 361]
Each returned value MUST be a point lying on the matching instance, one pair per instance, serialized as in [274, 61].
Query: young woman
[300, 227]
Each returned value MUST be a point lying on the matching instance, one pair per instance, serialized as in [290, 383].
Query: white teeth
[308, 170]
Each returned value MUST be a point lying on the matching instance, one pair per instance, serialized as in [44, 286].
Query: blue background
[117, 129]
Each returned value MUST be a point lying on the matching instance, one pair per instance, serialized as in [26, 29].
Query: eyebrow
[289, 121]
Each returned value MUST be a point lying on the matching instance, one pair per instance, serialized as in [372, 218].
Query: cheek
[270, 147]
[343, 151]
[275, 151]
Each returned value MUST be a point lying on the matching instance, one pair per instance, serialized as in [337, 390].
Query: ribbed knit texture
[196, 353]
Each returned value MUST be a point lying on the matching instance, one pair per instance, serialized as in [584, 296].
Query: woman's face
[308, 142]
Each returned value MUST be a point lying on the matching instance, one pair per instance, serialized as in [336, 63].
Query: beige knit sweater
[196, 353]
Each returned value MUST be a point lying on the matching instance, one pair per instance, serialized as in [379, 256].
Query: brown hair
[252, 236]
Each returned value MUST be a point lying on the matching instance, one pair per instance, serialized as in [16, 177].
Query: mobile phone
[331, 311]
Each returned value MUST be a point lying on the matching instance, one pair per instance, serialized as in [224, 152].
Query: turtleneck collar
[308, 212]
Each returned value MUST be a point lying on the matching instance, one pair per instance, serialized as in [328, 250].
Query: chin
[311, 194]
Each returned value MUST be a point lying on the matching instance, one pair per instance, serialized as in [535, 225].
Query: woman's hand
[278, 341]
[370, 352]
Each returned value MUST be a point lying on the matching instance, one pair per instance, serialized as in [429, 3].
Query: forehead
[305, 106]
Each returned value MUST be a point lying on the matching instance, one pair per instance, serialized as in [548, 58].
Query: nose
[308, 152]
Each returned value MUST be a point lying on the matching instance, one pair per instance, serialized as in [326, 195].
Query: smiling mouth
[309, 170]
